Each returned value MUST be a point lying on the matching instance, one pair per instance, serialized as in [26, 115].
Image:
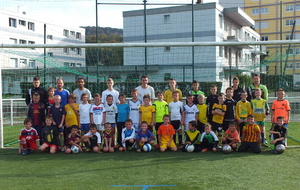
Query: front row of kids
[206, 141]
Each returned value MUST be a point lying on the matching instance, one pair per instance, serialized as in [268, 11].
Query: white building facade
[212, 23]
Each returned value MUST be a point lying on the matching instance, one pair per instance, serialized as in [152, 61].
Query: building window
[72, 49]
[72, 33]
[12, 22]
[291, 52]
[297, 51]
[264, 11]
[66, 33]
[262, 25]
[50, 54]
[72, 65]
[221, 21]
[78, 35]
[167, 76]
[167, 49]
[288, 37]
[289, 22]
[31, 63]
[50, 37]
[23, 61]
[14, 62]
[167, 18]
[78, 51]
[22, 22]
[79, 65]
[66, 50]
[289, 8]
[31, 42]
[297, 7]
[31, 26]
[226, 52]
[221, 48]
[264, 38]
[255, 11]
[13, 40]
[22, 41]
[66, 64]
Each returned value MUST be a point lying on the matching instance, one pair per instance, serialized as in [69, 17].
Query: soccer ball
[226, 149]
[280, 148]
[75, 149]
[189, 148]
[147, 147]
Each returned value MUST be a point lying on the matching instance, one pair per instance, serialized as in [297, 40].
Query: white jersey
[134, 113]
[142, 91]
[84, 112]
[97, 111]
[78, 94]
[98, 136]
[175, 109]
[190, 113]
[115, 95]
[111, 111]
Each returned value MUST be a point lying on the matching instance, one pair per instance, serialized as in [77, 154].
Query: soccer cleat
[87, 150]
[25, 152]
[205, 150]
[219, 147]
[63, 149]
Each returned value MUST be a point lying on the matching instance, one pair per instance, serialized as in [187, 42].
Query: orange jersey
[252, 133]
[166, 132]
[280, 108]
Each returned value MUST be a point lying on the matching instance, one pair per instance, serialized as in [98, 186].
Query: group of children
[110, 124]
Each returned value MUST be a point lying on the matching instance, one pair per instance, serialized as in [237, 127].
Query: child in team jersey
[211, 100]
[128, 136]
[36, 112]
[278, 134]
[281, 107]
[190, 111]
[176, 116]
[28, 139]
[92, 139]
[134, 112]
[230, 108]
[242, 110]
[72, 114]
[144, 136]
[111, 111]
[209, 140]
[202, 116]
[109, 138]
[84, 110]
[50, 100]
[73, 139]
[231, 136]
[123, 114]
[49, 136]
[98, 113]
[110, 91]
[147, 112]
[168, 95]
[192, 137]
[165, 135]
[218, 111]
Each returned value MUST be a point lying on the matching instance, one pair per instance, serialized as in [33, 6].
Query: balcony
[259, 50]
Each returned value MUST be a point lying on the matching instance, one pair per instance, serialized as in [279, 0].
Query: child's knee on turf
[214, 149]
[96, 149]
[68, 151]
[174, 149]
[111, 149]
[52, 150]
[162, 149]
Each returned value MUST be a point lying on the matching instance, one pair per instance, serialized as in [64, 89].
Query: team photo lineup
[106, 122]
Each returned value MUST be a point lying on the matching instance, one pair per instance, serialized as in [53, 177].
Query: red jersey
[109, 135]
[29, 135]
[71, 138]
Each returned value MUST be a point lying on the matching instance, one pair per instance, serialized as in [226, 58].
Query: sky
[79, 12]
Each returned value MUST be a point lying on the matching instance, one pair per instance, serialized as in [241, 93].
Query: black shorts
[216, 126]
[176, 124]
[93, 140]
[200, 126]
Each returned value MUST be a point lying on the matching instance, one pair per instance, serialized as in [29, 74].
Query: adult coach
[256, 85]
[36, 89]
[61, 91]
[144, 88]
[80, 90]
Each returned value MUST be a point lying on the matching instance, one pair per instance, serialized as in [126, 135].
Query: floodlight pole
[145, 34]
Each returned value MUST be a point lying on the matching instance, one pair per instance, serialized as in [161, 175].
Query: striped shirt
[251, 132]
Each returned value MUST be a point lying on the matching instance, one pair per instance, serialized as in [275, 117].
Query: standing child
[260, 109]
[242, 110]
[202, 116]
[123, 114]
[230, 108]
[218, 111]
[84, 110]
[278, 134]
[50, 100]
[168, 96]
[111, 111]
[176, 115]
[190, 111]
[192, 137]
[58, 114]
[208, 140]
[73, 139]
[110, 90]
[134, 112]
[128, 134]
[147, 112]
[161, 108]
[195, 91]
[72, 114]
[281, 107]
[211, 100]
[109, 138]
[28, 139]
[36, 111]
[165, 135]
[231, 136]
[50, 136]
[251, 136]
[97, 113]
[144, 136]
[92, 139]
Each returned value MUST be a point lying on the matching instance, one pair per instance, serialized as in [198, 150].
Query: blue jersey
[147, 135]
[64, 96]
[123, 111]
[57, 113]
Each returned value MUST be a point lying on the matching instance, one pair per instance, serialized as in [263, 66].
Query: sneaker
[219, 147]
[87, 150]
[264, 144]
[205, 150]
[25, 152]
[157, 146]
[63, 149]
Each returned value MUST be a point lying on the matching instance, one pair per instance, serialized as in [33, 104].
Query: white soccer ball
[147, 147]
[226, 149]
[189, 148]
[75, 149]
[280, 148]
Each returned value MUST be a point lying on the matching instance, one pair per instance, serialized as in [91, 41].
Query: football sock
[61, 140]
[262, 137]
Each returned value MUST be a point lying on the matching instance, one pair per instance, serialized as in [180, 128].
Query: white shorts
[100, 127]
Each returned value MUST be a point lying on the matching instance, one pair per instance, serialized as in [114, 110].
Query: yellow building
[270, 26]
